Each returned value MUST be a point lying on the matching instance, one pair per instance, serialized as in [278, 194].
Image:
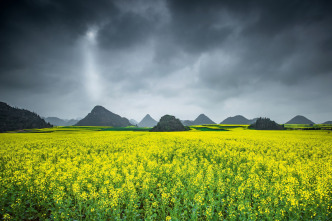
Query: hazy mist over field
[135, 57]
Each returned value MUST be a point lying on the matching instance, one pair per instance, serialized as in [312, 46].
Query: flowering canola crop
[111, 175]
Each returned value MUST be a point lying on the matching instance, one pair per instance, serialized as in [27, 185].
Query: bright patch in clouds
[92, 76]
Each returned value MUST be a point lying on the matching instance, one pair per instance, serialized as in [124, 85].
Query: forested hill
[16, 119]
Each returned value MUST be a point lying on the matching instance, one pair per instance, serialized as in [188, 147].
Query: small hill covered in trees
[17, 119]
[100, 116]
[328, 122]
[300, 120]
[266, 124]
[169, 123]
[147, 121]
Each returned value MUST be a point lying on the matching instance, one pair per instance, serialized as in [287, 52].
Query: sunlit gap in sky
[91, 71]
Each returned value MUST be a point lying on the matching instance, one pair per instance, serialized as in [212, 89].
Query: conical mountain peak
[99, 108]
[238, 119]
[299, 119]
[203, 119]
[147, 117]
[100, 116]
[147, 121]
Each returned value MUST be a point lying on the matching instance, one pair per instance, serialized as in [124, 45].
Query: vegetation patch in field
[131, 128]
[208, 128]
[217, 127]
[308, 126]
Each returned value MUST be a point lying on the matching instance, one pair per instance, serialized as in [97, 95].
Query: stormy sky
[181, 57]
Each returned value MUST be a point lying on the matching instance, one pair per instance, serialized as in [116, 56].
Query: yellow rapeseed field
[111, 175]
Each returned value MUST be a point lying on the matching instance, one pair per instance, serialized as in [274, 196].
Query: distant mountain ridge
[60, 122]
[299, 120]
[17, 119]
[100, 116]
[72, 122]
[238, 119]
[133, 121]
[147, 121]
[187, 122]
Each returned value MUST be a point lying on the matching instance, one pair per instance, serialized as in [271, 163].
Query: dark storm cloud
[271, 40]
[124, 31]
[36, 37]
[189, 53]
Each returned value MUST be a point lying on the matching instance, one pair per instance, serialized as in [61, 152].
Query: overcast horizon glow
[136, 57]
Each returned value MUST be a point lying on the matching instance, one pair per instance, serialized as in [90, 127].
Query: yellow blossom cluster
[239, 174]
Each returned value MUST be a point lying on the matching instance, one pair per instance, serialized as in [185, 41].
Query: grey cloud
[199, 56]
[125, 31]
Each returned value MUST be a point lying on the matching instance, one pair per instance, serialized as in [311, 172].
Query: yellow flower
[6, 216]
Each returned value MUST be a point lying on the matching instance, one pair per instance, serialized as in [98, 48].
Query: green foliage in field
[81, 129]
[127, 129]
[195, 175]
[309, 126]
[216, 127]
